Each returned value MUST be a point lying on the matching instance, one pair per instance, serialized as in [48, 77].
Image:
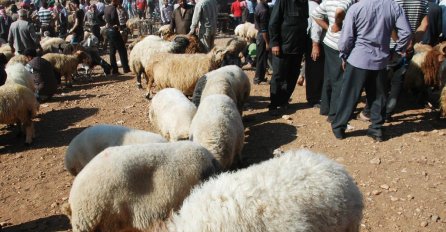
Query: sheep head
[217, 56]
[84, 58]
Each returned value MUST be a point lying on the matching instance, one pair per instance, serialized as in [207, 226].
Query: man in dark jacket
[261, 18]
[114, 38]
[287, 28]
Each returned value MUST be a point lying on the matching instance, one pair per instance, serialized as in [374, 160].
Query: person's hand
[275, 50]
[335, 28]
[267, 47]
[315, 52]
[344, 64]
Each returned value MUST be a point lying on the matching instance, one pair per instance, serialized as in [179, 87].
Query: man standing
[22, 35]
[78, 28]
[46, 17]
[205, 13]
[287, 28]
[261, 18]
[114, 37]
[182, 18]
[334, 12]
[364, 48]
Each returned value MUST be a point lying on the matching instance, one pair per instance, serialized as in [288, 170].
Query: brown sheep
[66, 65]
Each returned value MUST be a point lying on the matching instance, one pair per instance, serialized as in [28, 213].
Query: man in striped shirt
[416, 13]
[46, 17]
[334, 11]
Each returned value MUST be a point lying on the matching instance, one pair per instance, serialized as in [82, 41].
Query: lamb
[91, 141]
[18, 74]
[144, 50]
[246, 31]
[298, 191]
[182, 71]
[218, 127]
[171, 112]
[229, 80]
[66, 65]
[52, 44]
[127, 188]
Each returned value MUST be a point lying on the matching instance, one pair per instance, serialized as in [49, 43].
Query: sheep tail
[66, 209]
[430, 68]
[443, 101]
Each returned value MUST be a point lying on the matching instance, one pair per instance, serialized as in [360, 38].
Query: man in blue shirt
[364, 49]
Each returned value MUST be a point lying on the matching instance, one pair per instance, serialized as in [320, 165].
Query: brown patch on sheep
[430, 67]
[443, 101]
[17, 59]
[418, 47]
[441, 47]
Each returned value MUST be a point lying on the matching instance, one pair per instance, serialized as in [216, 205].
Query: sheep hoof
[139, 85]
[147, 95]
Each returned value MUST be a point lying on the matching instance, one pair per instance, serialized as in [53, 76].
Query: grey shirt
[365, 35]
[205, 13]
[22, 35]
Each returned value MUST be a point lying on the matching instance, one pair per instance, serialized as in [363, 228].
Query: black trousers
[434, 29]
[117, 43]
[354, 80]
[332, 82]
[261, 58]
[314, 75]
[283, 81]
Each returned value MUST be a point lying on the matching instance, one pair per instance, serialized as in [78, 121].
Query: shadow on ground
[262, 139]
[48, 224]
[49, 134]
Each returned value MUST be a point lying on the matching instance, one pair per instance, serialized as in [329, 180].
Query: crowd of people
[345, 51]
[347, 47]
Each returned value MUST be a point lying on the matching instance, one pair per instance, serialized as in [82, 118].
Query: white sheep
[171, 112]
[218, 127]
[143, 51]
[18, 105]
[51, 44]
[246, 31]
[91, 141]
[7, 51]
[127, 188]
[17, 59]
[230, 80]
[299, 191]
[18, 74]
[182, 71]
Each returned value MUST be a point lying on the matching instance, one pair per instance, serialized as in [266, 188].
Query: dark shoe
[126, 70]
[258, 82]
[285, 106]
[377, 138]
[389, 118]
[339, 134]
[115, 73]
[274, 112]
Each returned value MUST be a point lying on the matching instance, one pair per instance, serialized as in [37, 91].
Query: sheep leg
[150, 80]
[29, 132]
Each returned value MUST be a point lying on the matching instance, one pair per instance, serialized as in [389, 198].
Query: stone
[384, 186]
[424, 223]
[435, 218]
[410, 197]
[394, 198]
[375, 161]
[376, 192]
[286, 117]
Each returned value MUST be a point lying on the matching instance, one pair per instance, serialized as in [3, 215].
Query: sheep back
[218, 127]
[17, 59]
[51, 44]
[91, 141]
[180, 71]
[130, 187]
[230, 80]
[171, 112]
[299, 191]
[65, 65]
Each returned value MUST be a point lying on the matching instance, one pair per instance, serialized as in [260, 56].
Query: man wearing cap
[22, 35]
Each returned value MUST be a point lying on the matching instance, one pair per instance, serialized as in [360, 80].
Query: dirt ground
[403, 179]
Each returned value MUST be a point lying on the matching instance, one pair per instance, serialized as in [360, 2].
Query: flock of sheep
[178, 180]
